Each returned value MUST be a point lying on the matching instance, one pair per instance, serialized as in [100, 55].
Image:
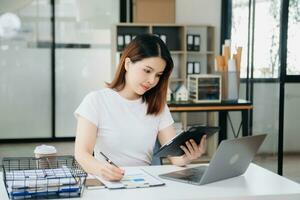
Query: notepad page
[133, 178]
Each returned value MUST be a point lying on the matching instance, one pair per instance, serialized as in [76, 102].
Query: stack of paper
[41, 182]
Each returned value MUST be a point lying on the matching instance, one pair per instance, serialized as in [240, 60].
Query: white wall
[25, 69]
[201, 12]
[80, 71]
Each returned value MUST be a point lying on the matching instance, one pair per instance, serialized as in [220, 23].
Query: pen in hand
[109, 160]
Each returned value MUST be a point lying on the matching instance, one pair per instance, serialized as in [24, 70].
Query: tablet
[172, 148]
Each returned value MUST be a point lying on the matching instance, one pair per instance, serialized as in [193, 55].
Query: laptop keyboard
[190, 174]
[195, 174]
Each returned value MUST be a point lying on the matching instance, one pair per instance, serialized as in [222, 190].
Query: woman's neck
[129, 94]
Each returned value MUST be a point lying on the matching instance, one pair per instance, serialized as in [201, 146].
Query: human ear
[127, 63]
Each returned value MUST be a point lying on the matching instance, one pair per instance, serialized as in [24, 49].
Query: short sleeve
[165, 119]
[88, 109]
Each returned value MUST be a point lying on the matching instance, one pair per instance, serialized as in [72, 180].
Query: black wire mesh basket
[43, 178]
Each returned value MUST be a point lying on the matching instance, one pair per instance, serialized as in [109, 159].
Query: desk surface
[187, 106]
[256, 183]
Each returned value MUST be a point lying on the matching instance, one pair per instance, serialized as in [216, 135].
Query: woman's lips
[145, 87]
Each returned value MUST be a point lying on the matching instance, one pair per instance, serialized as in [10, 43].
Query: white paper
[133, 178]
[39, 178]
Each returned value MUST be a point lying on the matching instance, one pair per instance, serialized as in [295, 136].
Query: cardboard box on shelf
[154, 11]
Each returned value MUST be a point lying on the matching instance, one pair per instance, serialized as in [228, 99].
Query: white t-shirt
[125, 133]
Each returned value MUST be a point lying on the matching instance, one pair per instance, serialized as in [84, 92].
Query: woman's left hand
[192, 150]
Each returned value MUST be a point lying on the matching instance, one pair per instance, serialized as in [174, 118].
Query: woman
[124, 120]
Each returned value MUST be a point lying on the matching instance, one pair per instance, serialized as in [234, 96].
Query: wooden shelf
[176, 41]
[177, 79]
[177, 52]
[172, 52]
[200, 52]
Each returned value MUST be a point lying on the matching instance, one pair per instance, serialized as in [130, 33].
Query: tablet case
[172, 148]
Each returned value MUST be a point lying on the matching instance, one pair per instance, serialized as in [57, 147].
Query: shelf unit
[176, 41]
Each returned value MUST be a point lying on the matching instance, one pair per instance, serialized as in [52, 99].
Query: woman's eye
[147, 70]
[158, 75]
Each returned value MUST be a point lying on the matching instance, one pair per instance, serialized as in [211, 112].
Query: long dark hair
[146, 46]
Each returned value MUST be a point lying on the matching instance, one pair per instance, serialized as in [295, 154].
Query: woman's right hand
[84, 146]
[111, 173]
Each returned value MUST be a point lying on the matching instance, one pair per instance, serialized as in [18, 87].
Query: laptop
[231, 159]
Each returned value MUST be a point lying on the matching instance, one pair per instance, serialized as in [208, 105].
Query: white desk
[256, 183]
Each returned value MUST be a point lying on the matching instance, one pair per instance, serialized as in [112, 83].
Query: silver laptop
[231, 159]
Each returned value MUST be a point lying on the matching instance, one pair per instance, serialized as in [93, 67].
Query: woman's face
[143, 75]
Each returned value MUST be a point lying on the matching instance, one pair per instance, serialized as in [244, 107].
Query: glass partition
[240, 20]
[25, 69]
[83, 54]
[293, 60]
[255, 27]
[291, 155]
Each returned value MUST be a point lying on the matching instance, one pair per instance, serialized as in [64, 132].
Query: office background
[47, 67]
